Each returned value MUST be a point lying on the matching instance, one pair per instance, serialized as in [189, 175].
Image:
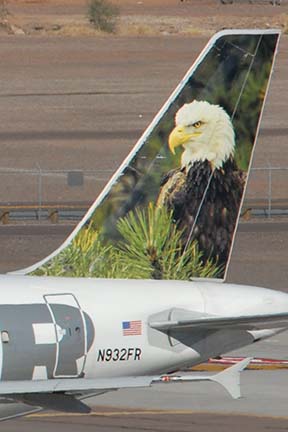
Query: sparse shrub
[3, 10]
[103, 15]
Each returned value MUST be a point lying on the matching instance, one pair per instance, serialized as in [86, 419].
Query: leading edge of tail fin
[172, 208]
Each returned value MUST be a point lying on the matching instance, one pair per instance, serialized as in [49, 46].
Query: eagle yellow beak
[180, 136]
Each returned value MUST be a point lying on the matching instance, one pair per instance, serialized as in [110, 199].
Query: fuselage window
[5, 336]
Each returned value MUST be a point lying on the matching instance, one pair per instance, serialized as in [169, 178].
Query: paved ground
[112, 421]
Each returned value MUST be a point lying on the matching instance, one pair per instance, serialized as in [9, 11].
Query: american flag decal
[132, 328]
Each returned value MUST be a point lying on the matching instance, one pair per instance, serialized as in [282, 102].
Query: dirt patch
[142, 17]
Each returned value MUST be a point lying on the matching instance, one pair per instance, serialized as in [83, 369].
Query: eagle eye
[197, 124]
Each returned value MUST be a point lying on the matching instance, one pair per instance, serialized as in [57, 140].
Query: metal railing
[268, 189]
[40, 194]
[272, 2]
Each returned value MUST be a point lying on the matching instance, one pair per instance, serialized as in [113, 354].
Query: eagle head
[205, 131]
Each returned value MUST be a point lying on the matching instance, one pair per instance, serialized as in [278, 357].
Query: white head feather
[215, 138]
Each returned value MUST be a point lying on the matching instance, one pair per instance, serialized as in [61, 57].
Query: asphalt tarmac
[67, 104]
[178, 408]
[112, 420]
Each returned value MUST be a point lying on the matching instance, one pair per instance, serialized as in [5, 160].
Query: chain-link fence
[36, 193]
[39, 185]
[43, 192]
[267, 190]
[272, 2]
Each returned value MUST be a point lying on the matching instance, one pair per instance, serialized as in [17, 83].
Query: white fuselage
[60, 327]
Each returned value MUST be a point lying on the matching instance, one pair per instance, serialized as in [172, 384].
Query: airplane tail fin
[172, 208]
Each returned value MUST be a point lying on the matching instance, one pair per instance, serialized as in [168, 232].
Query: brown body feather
[182, 191]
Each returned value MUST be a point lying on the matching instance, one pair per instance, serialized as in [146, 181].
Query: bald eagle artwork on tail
[206, 191]
[171, 209]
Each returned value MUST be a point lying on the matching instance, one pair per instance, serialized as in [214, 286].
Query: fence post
[269, 191]
[39, 192]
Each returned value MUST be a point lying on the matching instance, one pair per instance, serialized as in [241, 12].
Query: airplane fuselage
[94, 328]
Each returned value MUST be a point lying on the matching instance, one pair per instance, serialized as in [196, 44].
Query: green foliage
[81, 258]
[151, 248]
[103, 15]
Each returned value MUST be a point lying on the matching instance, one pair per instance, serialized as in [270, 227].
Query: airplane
[137, 292]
